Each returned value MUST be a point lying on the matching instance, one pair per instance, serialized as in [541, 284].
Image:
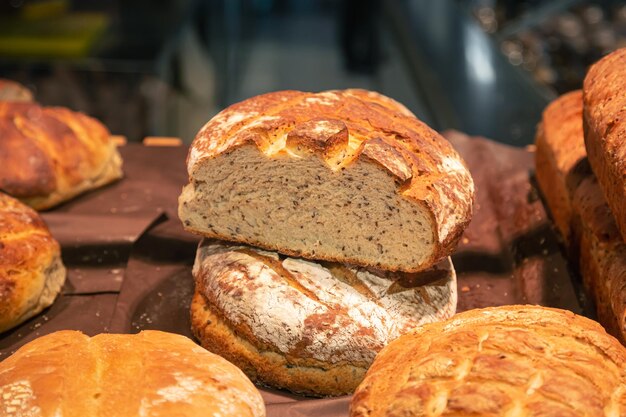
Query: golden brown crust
[262, 364]
[428, 170]
[147, 374]
[31, 272]
[51, 154]
[605, 129]
[308, 326]
[511, 360]
[558, 154]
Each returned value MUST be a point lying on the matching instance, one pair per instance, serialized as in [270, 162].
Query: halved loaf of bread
[348, 176]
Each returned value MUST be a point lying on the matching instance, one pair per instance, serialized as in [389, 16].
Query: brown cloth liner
[509, 254]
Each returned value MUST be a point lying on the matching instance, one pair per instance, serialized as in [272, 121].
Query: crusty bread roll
[306, 326]
[51, 154]
[605, 129]
[151, 374]
[503, 361]
[12, 91]
[346, 176]
[560, 148]
[580, 210]
[31, 270]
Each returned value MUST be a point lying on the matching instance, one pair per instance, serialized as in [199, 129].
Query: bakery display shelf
[129, 260]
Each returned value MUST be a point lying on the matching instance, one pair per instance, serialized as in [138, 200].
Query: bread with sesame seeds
[501, 361]
[49, 155]
[309, 327]
[347, 176]
[150, 374]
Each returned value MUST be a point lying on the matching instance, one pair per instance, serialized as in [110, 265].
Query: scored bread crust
[31, 270]
[51, 154]
[343, 129]
[501, 361]
[152, 374]
[306, 326]
[579, 209]
[604, 120]
[557, 155]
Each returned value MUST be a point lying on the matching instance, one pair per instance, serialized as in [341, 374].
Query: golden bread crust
[604, 121]
[31, 271]
[51, 154]
[510, 360]
[148, 374]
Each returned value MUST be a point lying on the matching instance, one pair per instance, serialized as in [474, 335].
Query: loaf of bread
[310, 327]
[345, 176]
[503, 361]
[151, 374]
[580, 210]
[605, 129]
[12, 91]
[31, 270]
[50, 154]
[557, 156]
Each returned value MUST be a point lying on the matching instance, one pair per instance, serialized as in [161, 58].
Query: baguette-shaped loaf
[347, 176]
[579, 208]
[503, 361]
[307, 326]
[560, 148]
[605, 129]
[51, 154]
[68, 374]
[31, 270]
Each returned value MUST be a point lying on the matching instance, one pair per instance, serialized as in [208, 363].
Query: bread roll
[151, 374]
[309, 327]
[560, 148]
[346, 176]
[605, 129]
[31, 270]
[580, 210]
[503, 361]
[51, 154]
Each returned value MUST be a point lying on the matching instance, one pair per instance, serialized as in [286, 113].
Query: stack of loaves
[329, 219]
[581, 170]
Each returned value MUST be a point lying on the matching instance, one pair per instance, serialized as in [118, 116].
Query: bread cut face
[31, 271]
[310, 327]
[502, 361]
[151, 373]
[348, 176]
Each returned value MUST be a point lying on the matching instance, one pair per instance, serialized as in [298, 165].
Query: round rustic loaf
[31, 270]
[503, 361]
[346, 176]
[116, 375]
[51, 154]
[310, 327]
[12, 91]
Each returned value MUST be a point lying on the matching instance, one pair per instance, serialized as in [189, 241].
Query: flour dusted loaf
[310, 327]
[605, 129]
[12, 91]
[31, 270]
[579, 209]
[51, 154]
[348, 176]
[503, 361]
[152, 374]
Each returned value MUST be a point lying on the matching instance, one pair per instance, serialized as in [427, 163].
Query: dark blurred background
[164, 67]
